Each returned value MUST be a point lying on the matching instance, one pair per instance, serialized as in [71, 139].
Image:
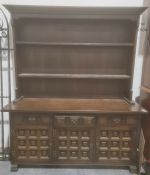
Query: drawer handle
[116, 120]
[31, 118]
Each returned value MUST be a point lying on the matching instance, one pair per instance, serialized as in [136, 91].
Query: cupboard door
[74, 137]
[32, 137]
[116, 139]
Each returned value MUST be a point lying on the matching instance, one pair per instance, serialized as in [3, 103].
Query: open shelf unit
[70, 53]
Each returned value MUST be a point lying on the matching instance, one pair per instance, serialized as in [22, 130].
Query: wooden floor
[5, 170]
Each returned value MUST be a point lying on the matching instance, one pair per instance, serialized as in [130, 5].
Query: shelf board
[72, 44]
[92, 76]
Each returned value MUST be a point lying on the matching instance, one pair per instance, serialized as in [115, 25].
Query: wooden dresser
[74, 72]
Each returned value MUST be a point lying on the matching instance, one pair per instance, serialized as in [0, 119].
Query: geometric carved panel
[72, 121]
[74, 144]
[33, 143]
[114, 144]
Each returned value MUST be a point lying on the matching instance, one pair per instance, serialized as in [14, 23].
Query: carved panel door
[116, 139]
[74, 136]
[32, 140]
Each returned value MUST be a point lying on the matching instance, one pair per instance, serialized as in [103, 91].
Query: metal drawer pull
[31, 118]
[116, 120]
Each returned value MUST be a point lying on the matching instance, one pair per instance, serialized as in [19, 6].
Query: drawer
[31, 119]
[71, 121]
[117, 121]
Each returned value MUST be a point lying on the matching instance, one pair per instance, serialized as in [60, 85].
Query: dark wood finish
[72, 44]
[59, 137]
[74, 72]
[98, 132]
[66, 42]
[91, 76]
[73, 105]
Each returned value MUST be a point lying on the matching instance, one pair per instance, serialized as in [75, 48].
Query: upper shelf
[72, 44]
[93, 76]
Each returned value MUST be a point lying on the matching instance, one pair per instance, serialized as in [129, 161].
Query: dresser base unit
[75, 133]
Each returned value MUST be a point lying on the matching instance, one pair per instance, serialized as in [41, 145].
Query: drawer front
[73, 121]
[117, 121]
[31, 119]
